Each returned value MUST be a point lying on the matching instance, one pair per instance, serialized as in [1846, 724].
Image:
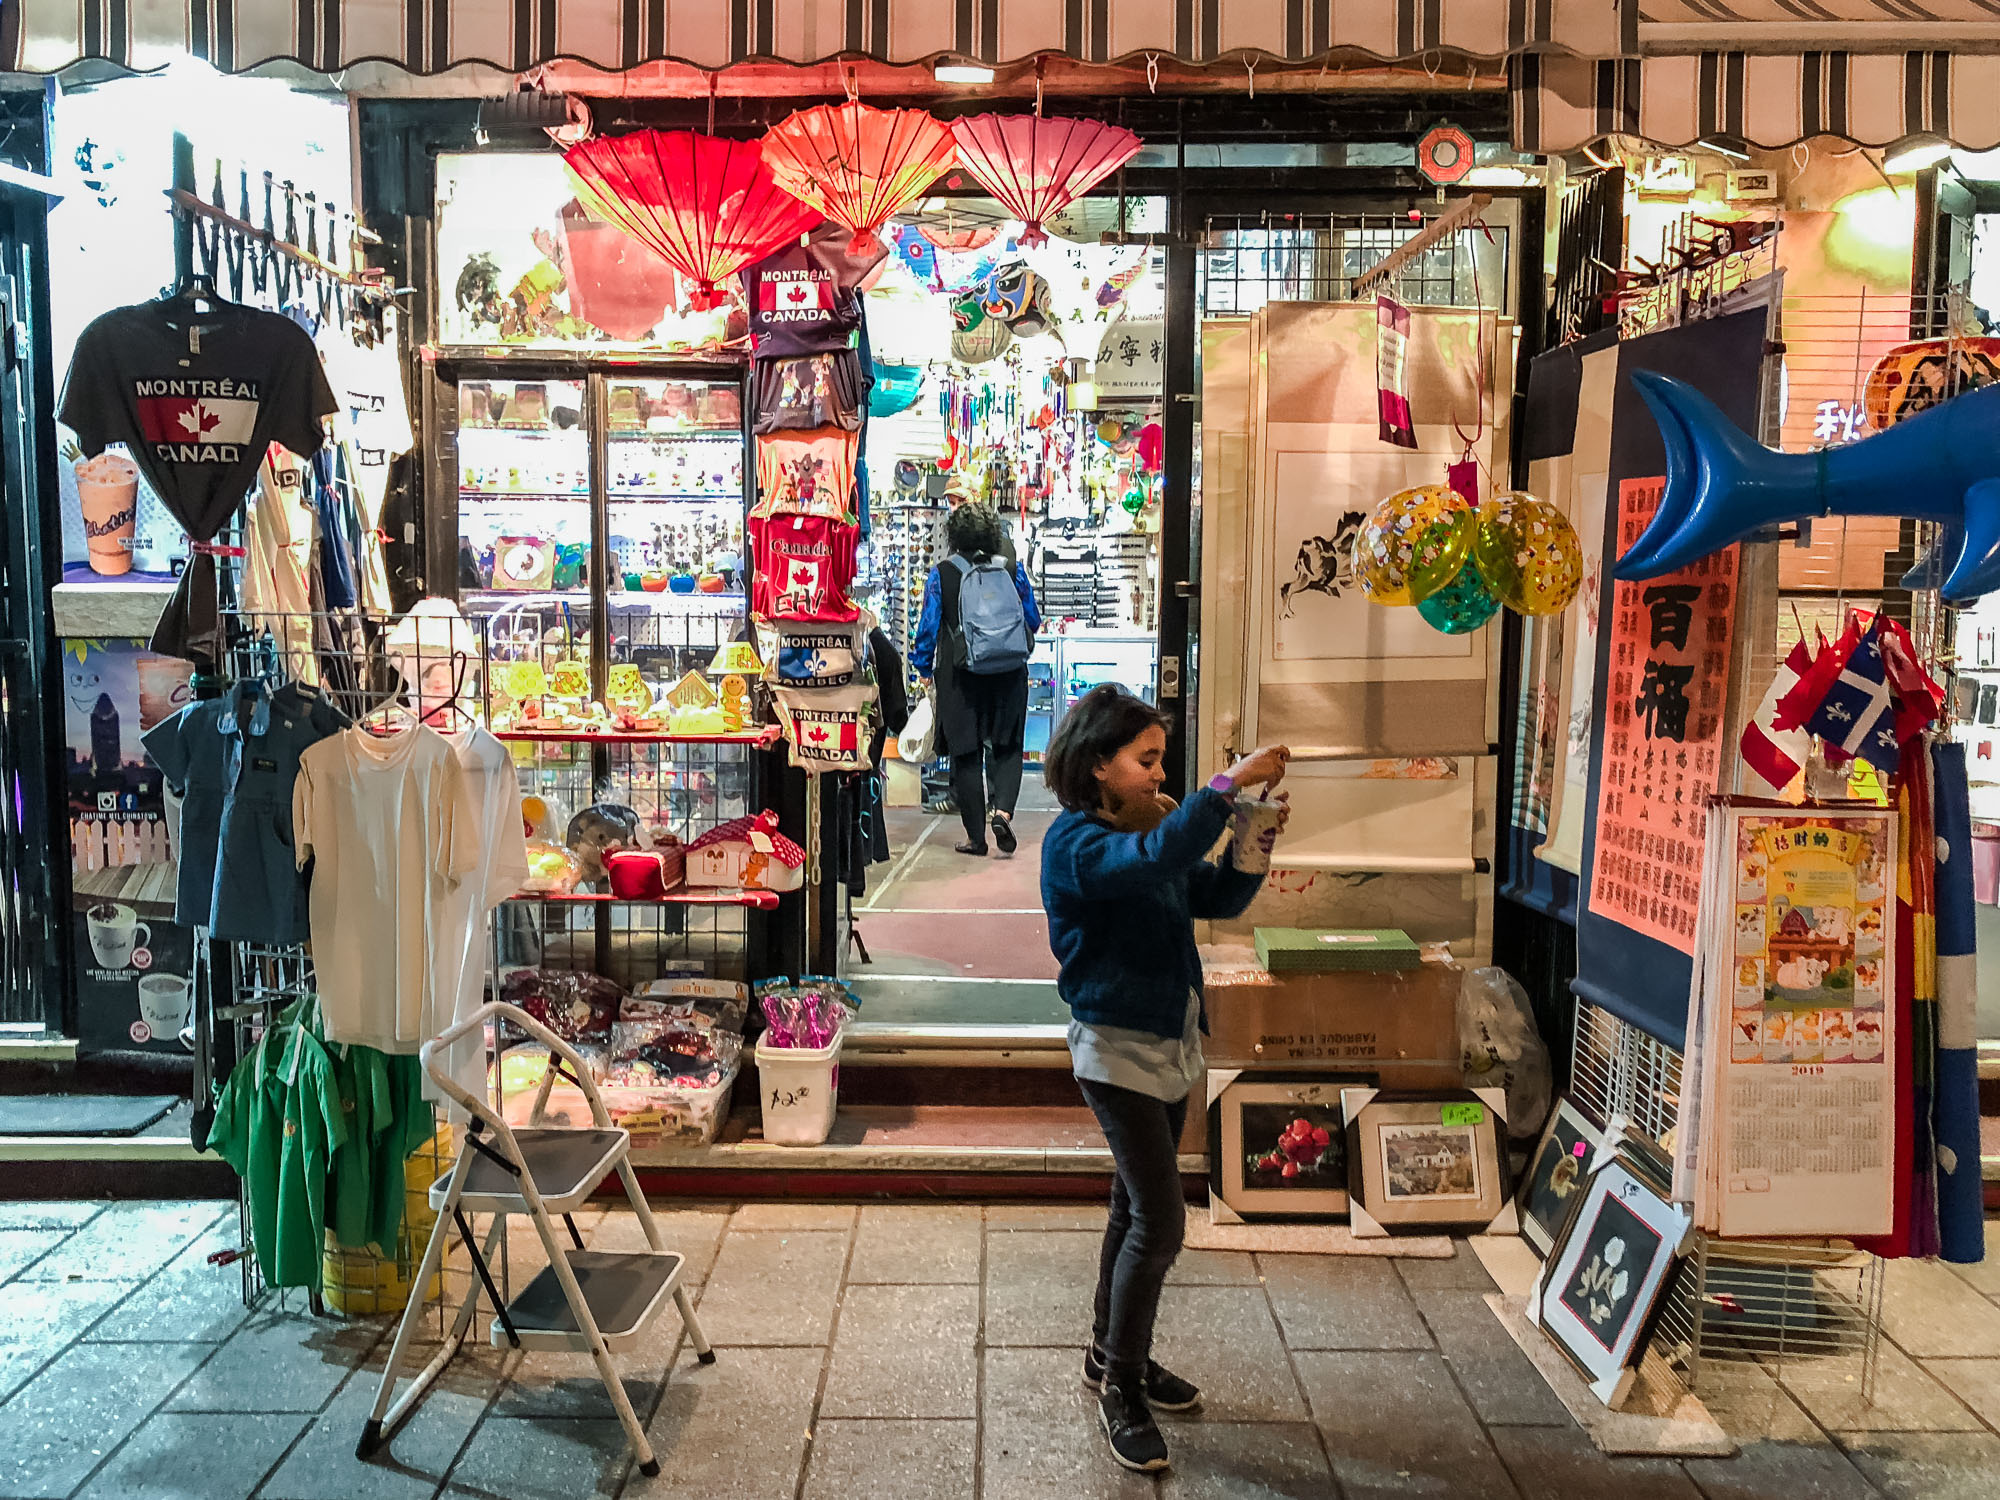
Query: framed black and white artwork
[1421, 1162]
[1556, 1173]
[1604, 1275]
[1277, 1144]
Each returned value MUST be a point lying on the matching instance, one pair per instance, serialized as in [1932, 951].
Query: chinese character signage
[1668, 679]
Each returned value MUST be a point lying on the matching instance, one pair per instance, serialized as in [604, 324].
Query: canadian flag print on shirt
[795, 296]
[197, 421]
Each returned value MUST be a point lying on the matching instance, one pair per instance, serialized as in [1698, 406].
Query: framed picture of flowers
[1605, 1273]
[1277, 1147]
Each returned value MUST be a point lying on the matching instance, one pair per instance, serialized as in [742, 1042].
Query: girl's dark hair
[1105, 720]
[973, 530]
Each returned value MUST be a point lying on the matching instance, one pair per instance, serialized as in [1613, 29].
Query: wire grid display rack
[1805, 1313]
[1254, 259]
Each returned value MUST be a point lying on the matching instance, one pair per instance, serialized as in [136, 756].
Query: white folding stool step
[567, 1166]
[626, 1291]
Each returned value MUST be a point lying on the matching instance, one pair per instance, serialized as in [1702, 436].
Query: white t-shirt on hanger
[388, 826]
[373, 421]
[492, 791]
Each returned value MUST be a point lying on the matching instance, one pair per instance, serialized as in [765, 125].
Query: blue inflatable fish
[1941, 465]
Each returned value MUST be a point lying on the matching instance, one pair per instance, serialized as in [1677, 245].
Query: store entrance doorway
[950, 949]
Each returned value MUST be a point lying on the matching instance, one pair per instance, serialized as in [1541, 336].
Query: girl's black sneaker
[1165, 1391]
[966, 846]
[1130, 1429]
[1003, 833]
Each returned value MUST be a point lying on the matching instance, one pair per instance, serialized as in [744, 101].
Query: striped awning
[1768, 100]
[429, 36]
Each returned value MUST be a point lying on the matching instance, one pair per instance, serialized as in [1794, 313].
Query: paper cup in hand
[1255, 833]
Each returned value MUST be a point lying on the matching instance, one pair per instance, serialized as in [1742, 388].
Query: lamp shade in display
[856, 164]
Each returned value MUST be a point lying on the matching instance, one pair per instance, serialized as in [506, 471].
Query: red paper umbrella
[708, 206]
[1037, 167]
[856, 164]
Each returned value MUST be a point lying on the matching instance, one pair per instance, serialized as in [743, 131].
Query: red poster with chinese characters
[1668, 685]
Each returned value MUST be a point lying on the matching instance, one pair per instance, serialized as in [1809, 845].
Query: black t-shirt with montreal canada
[806, 298]
[197, 397]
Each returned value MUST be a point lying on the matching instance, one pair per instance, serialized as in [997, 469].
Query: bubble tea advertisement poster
[132, 962]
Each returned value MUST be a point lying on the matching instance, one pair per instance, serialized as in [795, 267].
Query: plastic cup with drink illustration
[107, 490]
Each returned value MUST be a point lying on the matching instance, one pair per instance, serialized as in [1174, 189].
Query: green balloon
[1440, 553]
[1461, 606]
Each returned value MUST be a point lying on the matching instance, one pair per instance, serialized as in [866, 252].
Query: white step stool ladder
[586, 1301]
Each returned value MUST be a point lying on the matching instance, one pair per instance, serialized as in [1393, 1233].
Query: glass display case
[598, 532]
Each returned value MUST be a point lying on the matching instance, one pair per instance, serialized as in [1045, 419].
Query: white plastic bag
[1501, 1049]
[918, 741]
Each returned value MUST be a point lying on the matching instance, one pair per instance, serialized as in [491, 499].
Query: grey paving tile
[773, 1286]
[48, 1314]
[1562, 1463]
[1039, 1288]
[914, 1244]
[20, 1363]
[1462, 1273]
[793, 1216]
[905, 1351]
[733, 1430]
[59, 1214]
[1396, 1425]
[276, 1362]
[1213, 1268]
[1762, 1469]
[62, 1424]
[21, 1248]
[1342, 1302]
[1905, 1398]
[1501, 1382]
[1223, 1339]
[1950, 1466]
[1933, 1313]
[1976, 1382]
[562, 1384]
[417, 1457]
[1009, 1216]
[1040, 1435]
[893, 1461]
[1241, 1461]
[1749, 1403]
[190, 1301]
[694, 1234]
[545, 1458]
[195, 1456]
[1984, 1276]
[126, 1241]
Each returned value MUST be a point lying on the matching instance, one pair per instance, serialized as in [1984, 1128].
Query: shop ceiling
[1766, 73]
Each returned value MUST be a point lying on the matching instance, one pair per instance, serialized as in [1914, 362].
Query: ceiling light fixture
[1915, 152]
[1730, 146]
[957, 70]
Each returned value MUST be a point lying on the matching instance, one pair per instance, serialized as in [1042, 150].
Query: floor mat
[82, 1114]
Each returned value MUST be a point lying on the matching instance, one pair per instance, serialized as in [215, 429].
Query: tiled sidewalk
[924, 1351]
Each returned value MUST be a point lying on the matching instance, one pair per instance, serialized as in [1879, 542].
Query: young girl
[1124, 873]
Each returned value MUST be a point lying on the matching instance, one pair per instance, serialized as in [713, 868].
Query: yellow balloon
[1528, 553]
[1402, 542]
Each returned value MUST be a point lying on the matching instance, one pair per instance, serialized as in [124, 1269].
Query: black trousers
[1148, 1221]
[988, 777]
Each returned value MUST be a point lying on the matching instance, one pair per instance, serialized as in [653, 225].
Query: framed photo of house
[1277, 1144]
[1556, 1174]
[1604, 1275]
[1418, 1163]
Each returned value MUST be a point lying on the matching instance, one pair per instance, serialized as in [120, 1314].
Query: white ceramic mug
[1255, 833]
[115, 930]
[163, 1004]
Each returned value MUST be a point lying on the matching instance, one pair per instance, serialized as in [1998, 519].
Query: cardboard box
[1403, 1025]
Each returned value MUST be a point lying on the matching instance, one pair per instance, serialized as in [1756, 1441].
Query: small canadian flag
[1776, 755]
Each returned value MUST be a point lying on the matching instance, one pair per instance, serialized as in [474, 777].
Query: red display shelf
[762, 739]
[699, 896]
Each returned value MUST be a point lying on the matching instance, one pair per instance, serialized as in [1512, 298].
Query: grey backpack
[991, 620]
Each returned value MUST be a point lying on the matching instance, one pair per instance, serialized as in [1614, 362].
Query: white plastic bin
[799, 1089]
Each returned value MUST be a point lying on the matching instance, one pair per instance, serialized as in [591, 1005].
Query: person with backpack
[974, 638]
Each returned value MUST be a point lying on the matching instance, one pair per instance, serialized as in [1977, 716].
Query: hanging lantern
[857, 164]
[707, 206]
[1036, 167]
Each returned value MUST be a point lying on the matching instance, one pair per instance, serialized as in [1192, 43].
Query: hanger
[196, 293]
